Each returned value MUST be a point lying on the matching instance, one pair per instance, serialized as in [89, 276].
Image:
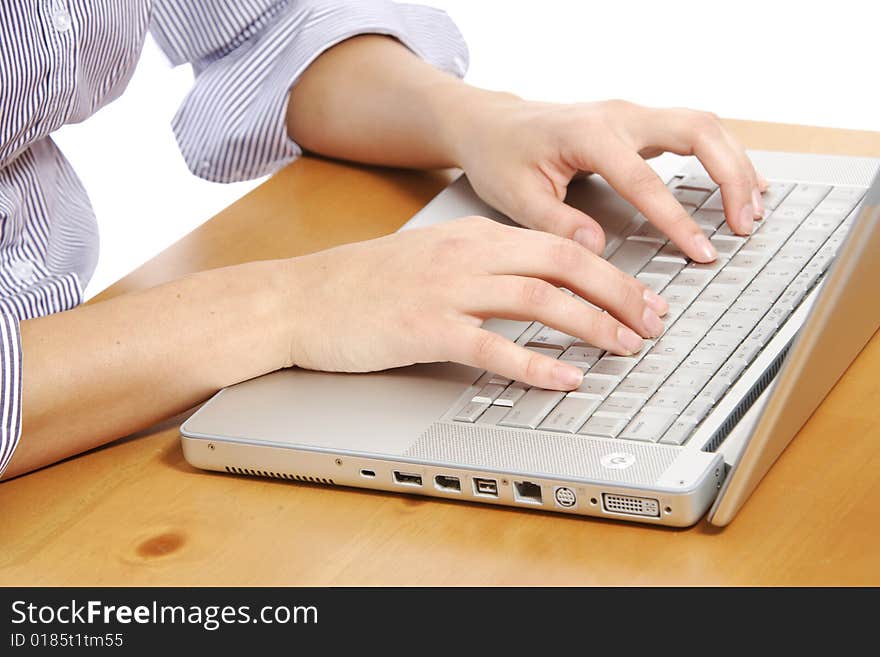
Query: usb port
[448, 483]
[485, 487]
[407, 478]
[369, 474]
[526, 491]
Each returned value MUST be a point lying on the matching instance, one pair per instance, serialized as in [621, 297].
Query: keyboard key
[648, 426]
[673, 348]
[720, 294]
[550, 337]
[716, 388]
[807, 196]
[620, 405]
[633, 255]
[775, 194]
[680, 294]
[670, 399]
[709, 218]
[726, 246]
[604, 427]
[703, 183]
[489, 393]
[790, 213]
[697, 410]
[570, 414]
[823, 221]
[678, 433]
[691, 199]
[654, 282]
[672, 252]
[616, 366]
[736, 278]
[493, 415]
[663, 267]
[552, 352]
[655, 365]
[532, 408]
[698, 278]
[839, 206]
[650, 232]
[764, 243]
[691, 378]
[470, 411]
[714, 202]
[596, 385]
[582, 355]
[511, 394]
[752, 262]
[639, 384]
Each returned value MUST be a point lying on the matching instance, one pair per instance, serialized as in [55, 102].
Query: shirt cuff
[10, 387]
[232, 125]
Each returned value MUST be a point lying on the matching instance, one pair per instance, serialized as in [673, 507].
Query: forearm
[100, 372]
[370, 99]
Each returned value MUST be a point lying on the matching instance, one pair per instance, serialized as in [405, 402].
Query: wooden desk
[136, 513]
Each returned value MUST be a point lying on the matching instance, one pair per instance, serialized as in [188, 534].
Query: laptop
[684, 429]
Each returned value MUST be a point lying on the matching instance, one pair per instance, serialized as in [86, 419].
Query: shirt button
[61, 19]
[23, 270]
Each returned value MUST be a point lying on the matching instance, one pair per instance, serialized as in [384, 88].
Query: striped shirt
[62, 60]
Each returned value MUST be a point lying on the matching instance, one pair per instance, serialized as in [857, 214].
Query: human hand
[520, 157]
[421, 295]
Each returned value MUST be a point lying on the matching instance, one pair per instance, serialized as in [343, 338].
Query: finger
[637, 182]
[485, 350]
[544, 211]
[688, 132]
[524, 298]
[564, 263]
[763, 185]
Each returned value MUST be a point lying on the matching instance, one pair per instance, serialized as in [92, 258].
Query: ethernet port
[526, 491]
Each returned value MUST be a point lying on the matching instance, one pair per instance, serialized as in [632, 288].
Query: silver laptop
[753, 343]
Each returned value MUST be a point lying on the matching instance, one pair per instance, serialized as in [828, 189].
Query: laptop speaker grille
[750, 398]
[279, 475]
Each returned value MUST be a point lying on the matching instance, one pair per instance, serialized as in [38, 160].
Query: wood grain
[135, 513]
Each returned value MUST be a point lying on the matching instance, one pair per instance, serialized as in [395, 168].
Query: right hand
[421, 295]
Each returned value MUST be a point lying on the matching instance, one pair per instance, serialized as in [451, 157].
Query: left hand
[520, 157]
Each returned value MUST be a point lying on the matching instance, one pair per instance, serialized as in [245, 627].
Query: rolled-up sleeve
[232, 124]
[10, 387]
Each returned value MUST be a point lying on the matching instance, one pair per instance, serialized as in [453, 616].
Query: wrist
[464, 116]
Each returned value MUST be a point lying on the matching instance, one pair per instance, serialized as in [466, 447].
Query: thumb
[546, 212]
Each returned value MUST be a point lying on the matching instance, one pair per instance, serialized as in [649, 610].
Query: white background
[795, 62]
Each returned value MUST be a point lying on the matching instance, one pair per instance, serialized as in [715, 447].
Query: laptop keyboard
[721, 315]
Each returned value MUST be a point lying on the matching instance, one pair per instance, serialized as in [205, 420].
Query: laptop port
[526, 491]
[369, 474]
[407, 478]
[448, 483]
[630, 505]
[485, 487]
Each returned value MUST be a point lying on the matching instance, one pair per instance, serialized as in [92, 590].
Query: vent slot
[279, 475]
[751, 397]
[631, 505]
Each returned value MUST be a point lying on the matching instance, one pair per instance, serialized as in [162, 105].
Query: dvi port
[630, 505]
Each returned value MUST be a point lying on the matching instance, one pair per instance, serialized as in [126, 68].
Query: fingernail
[747, 219]
[704, 247]
[629, 340]
[587, 238]
[568, 376]
[655, 302]
[758, 203]
[762, 182]
[652, 322]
